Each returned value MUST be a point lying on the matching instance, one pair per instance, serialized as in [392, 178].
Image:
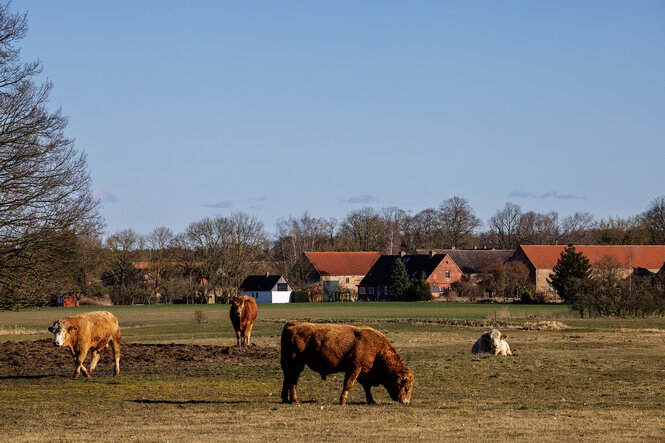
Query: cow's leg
[238, 338]
[116, 354]
[95, 359]
[248, 333]
[292, 372]
[368, 394]
[349, 379]
[78, 360]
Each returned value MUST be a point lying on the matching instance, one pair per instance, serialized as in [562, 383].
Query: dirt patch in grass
[34, 357]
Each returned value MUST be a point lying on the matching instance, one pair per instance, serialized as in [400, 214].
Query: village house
[340, 270]
[267, 288]
[540, 260]
[441, 268]
[473, 262]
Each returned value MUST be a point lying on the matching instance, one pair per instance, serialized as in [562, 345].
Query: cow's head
[400, 389]
[238, 305]
[493, 340]
[59, 332]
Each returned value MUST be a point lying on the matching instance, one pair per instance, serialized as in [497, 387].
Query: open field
[594, 380]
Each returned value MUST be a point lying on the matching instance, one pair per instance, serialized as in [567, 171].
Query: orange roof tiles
[342, 263]
[649, 257]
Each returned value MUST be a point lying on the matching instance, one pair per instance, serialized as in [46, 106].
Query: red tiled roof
[342, 263]
[649, 257]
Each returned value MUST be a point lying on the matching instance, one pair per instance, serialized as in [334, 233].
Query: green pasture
[596, 380]
[176, 323]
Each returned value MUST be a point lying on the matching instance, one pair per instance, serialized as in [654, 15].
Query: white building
[267, 288]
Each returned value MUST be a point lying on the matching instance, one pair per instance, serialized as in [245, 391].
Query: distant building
[337, 270]
[68, 300]
[441, 268]
[267, 288]
[540, 260]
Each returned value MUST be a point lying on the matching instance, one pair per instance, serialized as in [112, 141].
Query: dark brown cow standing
[243, 315]
[363, 354]
[88, 331]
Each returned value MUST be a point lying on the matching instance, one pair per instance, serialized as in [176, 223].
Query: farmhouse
[266, 288]
[441, 268]
[338, 270]
[540, 260]
[473, 262]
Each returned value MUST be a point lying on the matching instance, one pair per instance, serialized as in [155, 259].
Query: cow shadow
[26, 377]
[188, 402]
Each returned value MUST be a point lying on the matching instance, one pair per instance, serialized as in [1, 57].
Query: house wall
[269, 296]
[438, 276]
[543, 274]
[354, 280]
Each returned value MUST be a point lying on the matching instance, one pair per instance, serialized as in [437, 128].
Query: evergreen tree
[399, 280]
[570, 275]
[418, 290]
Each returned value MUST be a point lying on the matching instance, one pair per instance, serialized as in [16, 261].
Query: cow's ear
[50, 328]
[72, 328]
[504, 336]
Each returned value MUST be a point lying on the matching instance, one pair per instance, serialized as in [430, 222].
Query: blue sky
[195, 109]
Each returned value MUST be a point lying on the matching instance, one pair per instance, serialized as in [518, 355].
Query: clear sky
[202, 108]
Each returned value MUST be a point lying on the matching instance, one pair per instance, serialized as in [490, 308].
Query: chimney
[453, 248]
[431, 253]
[267, 274]
[402, 253]
[475, 247]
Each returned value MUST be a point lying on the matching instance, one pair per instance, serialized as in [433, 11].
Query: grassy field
[600, 379]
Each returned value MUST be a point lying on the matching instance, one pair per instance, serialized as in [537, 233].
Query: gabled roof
[416, 266]
[342, 263]
[475, 261]
[259, 282]
[629, 257]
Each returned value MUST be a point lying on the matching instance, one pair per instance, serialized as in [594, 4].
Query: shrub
[299, 297]
[418, 290]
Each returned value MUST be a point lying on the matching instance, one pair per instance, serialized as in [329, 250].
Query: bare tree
[392, 237]
[361, 230]
[504, 226]
[124, 249]
[295, 236]
[159, 242]
[227, 250]
[458, 221]
[654, 219]
[620, 231]
[44, 181]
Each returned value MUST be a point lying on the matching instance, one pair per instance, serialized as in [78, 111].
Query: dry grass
[18, 330]
[598, 385]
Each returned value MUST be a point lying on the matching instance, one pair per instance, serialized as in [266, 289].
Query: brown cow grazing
[363, 354]
[243, 314]
[89, 331]
[492, 342]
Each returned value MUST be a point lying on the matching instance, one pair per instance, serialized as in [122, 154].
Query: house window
[282, 287]
[371, 290]
[361, 290]
[347, 279]
[447, 275]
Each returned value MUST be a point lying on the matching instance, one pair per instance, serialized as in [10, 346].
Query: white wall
[269, 296]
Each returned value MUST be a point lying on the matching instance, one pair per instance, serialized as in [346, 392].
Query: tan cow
[243, 315]
[363, 354]
[492, 342]
[89, 331]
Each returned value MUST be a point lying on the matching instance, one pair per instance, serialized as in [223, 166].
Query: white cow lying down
[492, 342]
